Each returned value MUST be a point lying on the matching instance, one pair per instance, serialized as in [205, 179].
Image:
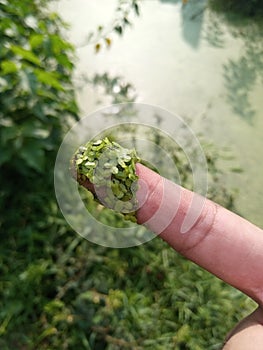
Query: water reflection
[214, 33]
[116, 87]
[192, 13]
[244, 73]
[196, 64]
[241, 75]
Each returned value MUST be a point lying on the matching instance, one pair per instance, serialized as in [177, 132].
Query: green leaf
[126, 21]
[8, 133]
[136, 8]
[5, 155]
[28, 79]
[36, 40]
[8, 67]
[33, 154]
[47, 94]
[118, 29]
[26, 54]
[35, 130]
[47, 333]
[59, 45]
[65, 61]
[48, 78]
[53, 306]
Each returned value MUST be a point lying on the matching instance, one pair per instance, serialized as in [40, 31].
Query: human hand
[220, 241]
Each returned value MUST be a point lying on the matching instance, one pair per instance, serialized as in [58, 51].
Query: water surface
[187, 60]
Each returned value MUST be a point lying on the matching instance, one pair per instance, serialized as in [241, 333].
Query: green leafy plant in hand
[109, 166]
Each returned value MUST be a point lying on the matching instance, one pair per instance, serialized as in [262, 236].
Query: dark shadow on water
[244, 73]
[241, 75]
[240, 78]
[214, 34]
[192, 13]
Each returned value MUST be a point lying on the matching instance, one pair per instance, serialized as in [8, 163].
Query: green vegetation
[58, 291]
[252, 8]
[109, 167]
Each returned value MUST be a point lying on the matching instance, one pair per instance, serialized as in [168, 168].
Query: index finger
[220, 241]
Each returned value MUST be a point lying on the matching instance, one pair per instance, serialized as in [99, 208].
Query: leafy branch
[102, 38]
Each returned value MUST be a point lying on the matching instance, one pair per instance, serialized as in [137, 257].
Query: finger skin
[220, 241]
[248, 334]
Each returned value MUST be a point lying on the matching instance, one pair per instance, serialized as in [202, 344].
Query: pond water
[190, 61]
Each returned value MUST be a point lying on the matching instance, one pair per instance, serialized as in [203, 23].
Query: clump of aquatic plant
[108, 169]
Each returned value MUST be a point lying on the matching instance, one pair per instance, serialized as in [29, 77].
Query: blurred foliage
[57, 290]
[252, 8]
[37, 102]
[35, 86]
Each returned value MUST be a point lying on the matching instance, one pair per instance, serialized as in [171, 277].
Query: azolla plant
[109, 171]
